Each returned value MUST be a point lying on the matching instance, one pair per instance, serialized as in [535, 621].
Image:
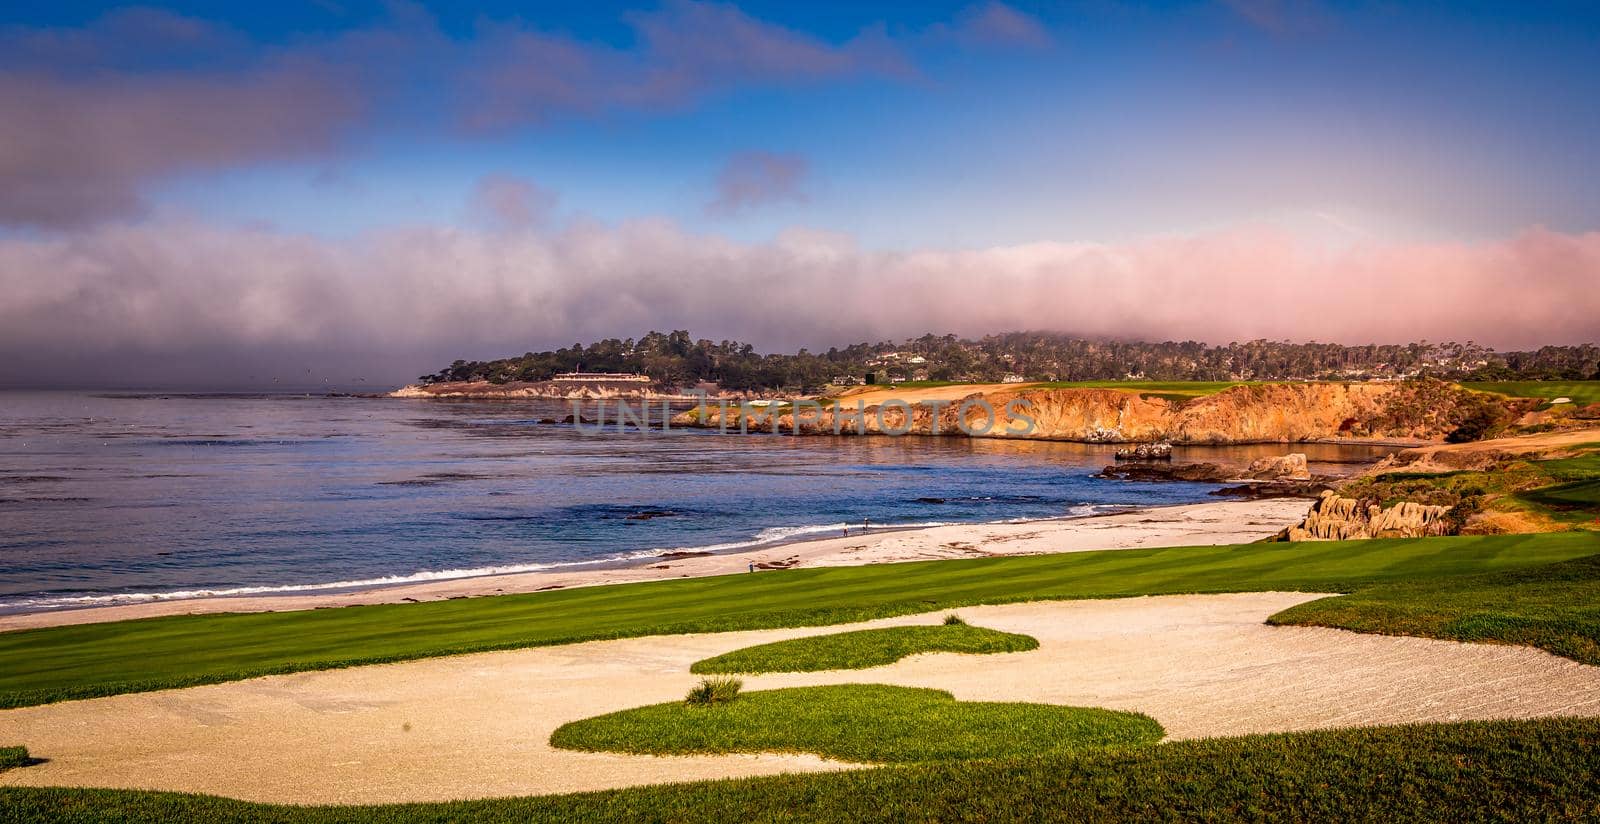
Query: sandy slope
[1223, 522]
[475, 726]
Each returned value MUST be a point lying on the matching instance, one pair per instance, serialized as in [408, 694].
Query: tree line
[676, 359]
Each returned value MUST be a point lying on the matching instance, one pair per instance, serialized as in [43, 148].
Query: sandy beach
[477, 726]
[1221, 522]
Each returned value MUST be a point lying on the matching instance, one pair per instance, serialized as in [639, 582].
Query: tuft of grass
[714, 691]
[90, 660]
[866, 723]
[14, 757]
[1524, 770]
[864, 648]
[1551, 607]
[954, 620]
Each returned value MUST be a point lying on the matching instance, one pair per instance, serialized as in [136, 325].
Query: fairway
[1540, 770]
[1577, 391]
[1551, 607]
[44, 665]
[1171, 390]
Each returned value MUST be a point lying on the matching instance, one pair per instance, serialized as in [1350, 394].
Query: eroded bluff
[1293, 412]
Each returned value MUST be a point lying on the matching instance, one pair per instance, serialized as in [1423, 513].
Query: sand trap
[1222, 522]
[476, 726]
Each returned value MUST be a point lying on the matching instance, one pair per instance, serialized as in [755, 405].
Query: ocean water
[118, 498]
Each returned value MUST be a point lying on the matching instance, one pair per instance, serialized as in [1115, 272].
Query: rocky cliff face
[1335, 518]
[1422, 410]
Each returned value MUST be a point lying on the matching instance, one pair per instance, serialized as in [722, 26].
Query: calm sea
[115, 498]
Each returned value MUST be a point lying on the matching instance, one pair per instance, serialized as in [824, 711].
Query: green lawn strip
[1171, 390]
[1175, 391]
[1555, 608]
[1527, 770]
[1575, 499]
[864, 723]
[1581, 467]
[61, 663]
[14, 757]
[1581, 392]
[863, 648]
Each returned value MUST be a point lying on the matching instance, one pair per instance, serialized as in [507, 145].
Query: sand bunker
[478, 725]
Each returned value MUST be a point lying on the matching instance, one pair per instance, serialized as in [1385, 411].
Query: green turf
[1579, 391]
[863, 648]
[59, 663]
[1555, 608]
[1541, 770]
[1169, 390]
[14, 757]
[1181, 390]
[1574, 498]
[862, 723]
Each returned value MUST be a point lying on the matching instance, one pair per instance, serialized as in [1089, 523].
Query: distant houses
[590, 377]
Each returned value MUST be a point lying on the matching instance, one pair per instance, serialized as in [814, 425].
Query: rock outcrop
[1146, 452]
[1200, 472]
[1290, 467]
[1336, 518]
[1289, 471]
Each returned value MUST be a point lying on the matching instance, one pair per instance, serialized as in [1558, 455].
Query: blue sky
[1405, 120]
[156, 157]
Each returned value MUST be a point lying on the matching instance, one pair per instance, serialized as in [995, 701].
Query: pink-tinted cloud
[88, 115]
[997, 24]
[686, 50]
[74, 152]
[129, 303]
[503, 201]
[1281, 17]
[753, 179]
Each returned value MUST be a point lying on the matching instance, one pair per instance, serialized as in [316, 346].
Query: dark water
[107, 499]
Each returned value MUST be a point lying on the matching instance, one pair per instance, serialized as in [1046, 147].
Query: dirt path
[477, 725]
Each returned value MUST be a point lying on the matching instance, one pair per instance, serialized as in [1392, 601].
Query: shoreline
[1210, 523]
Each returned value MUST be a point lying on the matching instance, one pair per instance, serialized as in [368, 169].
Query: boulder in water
[1146, 452]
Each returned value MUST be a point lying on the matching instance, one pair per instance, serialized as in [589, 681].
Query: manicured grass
[1579, 391]
[1171, 390]
[14, 757]
[1555, 608]
[1541, 770]
[1574, 500]
[1187, 389]
[59, 663]
[864, 723]
[863, 648]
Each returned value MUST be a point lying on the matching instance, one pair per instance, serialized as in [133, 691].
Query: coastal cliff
[1284, 413]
